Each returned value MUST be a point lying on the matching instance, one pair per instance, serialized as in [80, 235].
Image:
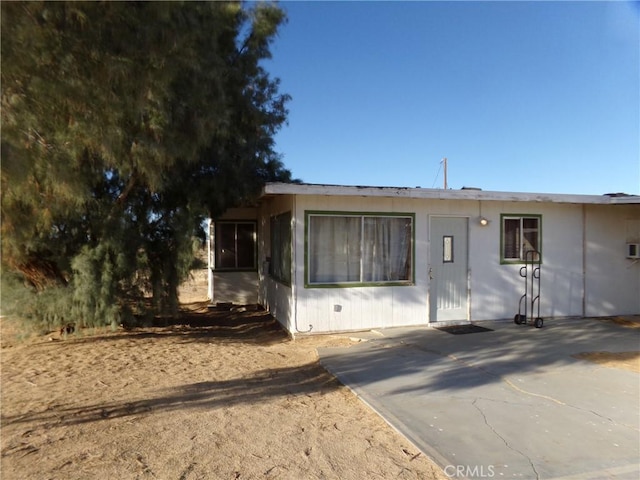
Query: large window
[355, 249]
[520, 234]
[280, 265]
[235, 245]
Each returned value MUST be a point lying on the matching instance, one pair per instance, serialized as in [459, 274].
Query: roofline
[271, 189]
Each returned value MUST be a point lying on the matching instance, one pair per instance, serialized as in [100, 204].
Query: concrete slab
[509, 403]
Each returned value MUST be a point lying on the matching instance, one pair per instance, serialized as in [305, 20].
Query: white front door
[448, 269]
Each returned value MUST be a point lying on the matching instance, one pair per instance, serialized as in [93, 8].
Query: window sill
[518, 262]
[228, 270]
[360, 285]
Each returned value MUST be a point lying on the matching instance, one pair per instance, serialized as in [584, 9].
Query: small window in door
[447, 249]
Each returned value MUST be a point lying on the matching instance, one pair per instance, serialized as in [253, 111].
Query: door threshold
[449, 323]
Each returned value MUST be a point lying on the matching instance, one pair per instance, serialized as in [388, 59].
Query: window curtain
[386, 249]
[334, 249]
[359, 249]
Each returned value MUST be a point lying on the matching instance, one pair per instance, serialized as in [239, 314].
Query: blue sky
[519, 96]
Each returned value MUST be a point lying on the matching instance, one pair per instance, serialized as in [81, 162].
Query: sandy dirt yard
[213, 395]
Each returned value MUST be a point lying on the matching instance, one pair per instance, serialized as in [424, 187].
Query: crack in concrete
[533, 467]
[569, 405]
[505, 380]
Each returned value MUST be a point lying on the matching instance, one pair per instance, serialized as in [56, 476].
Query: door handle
[430, 273]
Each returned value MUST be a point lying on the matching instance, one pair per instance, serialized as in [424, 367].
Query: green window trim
[521, 237]
[362, 216]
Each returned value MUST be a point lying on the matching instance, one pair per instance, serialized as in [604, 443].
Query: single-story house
[327, 258]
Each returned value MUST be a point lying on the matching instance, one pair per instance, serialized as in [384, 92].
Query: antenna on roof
[444, 162]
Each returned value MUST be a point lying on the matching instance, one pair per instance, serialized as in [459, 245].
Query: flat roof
[442, 194]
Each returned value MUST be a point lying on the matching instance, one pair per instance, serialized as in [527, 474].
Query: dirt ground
[213, 395]
[624, 360]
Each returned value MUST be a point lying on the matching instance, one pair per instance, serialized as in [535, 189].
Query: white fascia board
[630, 200]
[439, 194]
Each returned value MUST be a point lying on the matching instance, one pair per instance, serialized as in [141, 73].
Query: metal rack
[530, 300]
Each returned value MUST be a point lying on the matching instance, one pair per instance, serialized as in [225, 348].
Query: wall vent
[633, 250]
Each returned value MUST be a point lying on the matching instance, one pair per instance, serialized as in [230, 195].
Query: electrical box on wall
[633, 250]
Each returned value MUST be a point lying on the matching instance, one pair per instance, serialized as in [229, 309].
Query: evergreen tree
[123, 126]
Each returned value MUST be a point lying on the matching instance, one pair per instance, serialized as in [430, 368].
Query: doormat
[463, 329]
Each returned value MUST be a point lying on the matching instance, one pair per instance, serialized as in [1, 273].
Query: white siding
[240, 288]
[274, 296]
[358, 308]
[496, 288]
[612, 282]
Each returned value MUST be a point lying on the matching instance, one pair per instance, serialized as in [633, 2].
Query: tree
[123, 125]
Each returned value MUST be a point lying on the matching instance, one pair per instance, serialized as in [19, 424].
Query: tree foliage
[123, 125]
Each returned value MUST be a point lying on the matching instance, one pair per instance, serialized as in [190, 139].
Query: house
[326, 258]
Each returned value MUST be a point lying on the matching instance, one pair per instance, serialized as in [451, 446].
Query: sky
[518, 96]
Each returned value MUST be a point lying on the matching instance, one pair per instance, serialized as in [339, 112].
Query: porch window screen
[520, 235]
[280, 265]
[359, 249]
[235, 245]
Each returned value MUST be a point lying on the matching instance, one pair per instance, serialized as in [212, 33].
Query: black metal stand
[530, 300]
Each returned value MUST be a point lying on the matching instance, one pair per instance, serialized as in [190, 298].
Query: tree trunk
[41, 273]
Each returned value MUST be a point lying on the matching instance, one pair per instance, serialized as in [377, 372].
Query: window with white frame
[520, 235]
[235, 245]
[280, 264]
[353, 249]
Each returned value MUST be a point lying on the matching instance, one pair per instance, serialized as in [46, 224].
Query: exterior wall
[358, 308]
[574, 281]
[273, 295]
[612, 281]
[236, 287]
[496, 288]
[240, 288]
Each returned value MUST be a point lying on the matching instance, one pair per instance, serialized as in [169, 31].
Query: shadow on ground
[196, 322]
[296, 382]
[435, 361]
[249, 325]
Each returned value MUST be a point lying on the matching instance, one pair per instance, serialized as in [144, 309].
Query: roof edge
[441, 194]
